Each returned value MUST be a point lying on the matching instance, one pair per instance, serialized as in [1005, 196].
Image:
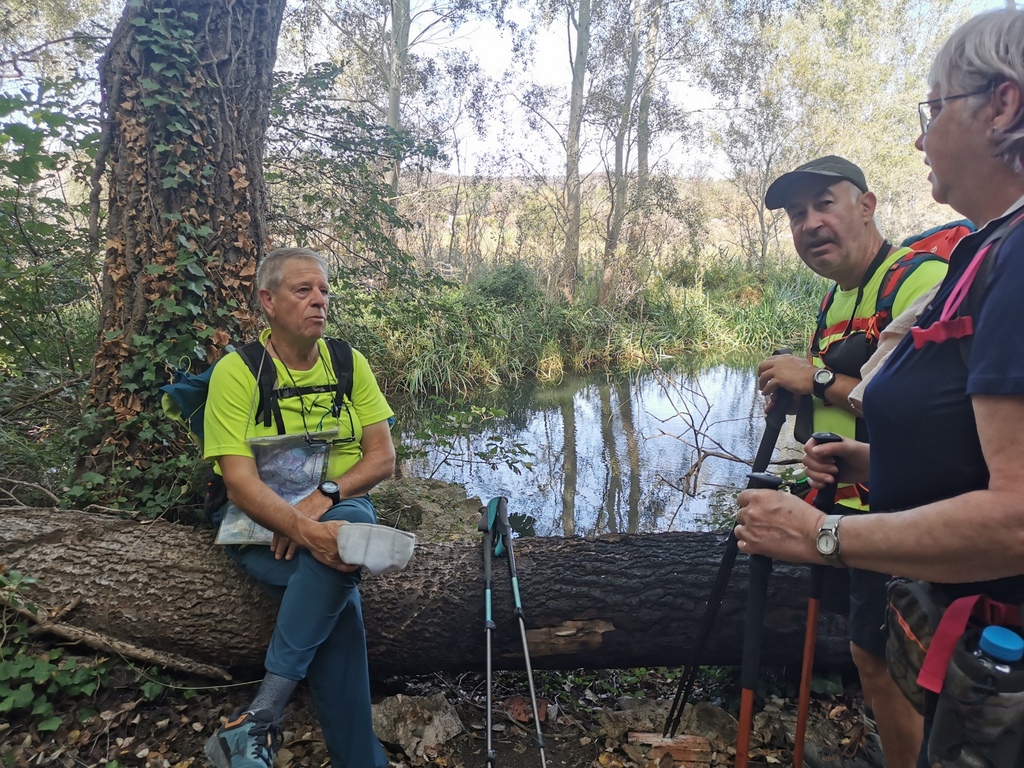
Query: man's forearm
[839, 393]
[361, 478]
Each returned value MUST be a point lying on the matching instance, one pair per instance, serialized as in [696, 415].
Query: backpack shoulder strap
[268, 407]
[822, 322]
[894, 277]
[972, 300]
[341, 360]
[263, 370]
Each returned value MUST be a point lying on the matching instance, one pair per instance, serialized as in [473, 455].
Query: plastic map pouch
[292, 466]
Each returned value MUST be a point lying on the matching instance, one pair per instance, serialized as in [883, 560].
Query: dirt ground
[123, 729]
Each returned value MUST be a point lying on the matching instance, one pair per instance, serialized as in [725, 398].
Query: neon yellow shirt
[232, 401]
[828, 418]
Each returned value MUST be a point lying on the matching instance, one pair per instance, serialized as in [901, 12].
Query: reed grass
[505, 329]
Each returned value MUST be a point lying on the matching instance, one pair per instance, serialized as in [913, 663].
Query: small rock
[416, 723]
[633, 715]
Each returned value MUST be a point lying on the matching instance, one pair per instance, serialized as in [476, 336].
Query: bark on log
[609, 602]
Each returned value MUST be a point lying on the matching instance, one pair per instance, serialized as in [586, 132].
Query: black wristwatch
[330, 489]
[823, 379]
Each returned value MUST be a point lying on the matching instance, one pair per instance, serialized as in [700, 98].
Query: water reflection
[657, 451]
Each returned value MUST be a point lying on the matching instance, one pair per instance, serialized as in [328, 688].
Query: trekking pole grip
[825, 500]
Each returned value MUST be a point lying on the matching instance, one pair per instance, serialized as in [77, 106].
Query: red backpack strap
[893, 280]
[951, 628]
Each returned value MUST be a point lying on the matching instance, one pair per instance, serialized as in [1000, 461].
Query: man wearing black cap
[831, 217]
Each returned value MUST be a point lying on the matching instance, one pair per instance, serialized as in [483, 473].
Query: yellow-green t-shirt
[233, 398]
[844, 306]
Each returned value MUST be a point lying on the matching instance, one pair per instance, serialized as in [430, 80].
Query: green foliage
[171, 487]
[33, 682]
[48, 271]
[36, 408]
[510, 285]
[831, 685]
[320, 152]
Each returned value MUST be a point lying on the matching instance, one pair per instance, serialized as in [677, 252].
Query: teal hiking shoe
[248, 741]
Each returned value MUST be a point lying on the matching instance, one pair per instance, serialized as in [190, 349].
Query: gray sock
[274, 693]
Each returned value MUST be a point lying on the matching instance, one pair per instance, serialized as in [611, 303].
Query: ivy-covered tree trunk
[186, 87]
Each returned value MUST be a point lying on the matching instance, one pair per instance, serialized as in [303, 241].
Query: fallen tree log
[614, 601]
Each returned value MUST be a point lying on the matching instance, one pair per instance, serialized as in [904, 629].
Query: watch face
[826, 543]
[329, 486]
[823, 376]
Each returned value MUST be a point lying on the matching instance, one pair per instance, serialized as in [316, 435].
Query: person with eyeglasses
[831, 215]
[319, 634]
[944, 406]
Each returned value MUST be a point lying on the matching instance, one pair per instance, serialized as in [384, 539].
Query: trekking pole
[485, 527]
[753, 632]
[495, 516]
[824, 501]
[774, 420]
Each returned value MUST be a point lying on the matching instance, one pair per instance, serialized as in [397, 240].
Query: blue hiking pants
[319, 636]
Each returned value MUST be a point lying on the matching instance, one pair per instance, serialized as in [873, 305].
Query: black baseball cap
[828, 167]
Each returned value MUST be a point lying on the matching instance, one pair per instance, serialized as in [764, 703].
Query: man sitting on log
[308, 424]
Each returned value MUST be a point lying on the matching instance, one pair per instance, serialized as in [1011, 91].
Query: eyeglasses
[926, 109]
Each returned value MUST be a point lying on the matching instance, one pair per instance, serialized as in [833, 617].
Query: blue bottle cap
[1002, 644]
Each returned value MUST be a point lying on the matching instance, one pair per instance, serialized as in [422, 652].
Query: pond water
[661, 450]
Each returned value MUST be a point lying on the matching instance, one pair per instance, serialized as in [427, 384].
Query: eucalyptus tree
[634, 109]
[808, 80]
[399, 58]
[578, 21]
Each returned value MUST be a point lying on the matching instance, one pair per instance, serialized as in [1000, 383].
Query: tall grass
[504, 329]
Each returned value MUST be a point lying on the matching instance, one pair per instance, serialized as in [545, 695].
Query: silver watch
[827, 540]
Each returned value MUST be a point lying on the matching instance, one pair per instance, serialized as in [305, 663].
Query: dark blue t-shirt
[924, 440]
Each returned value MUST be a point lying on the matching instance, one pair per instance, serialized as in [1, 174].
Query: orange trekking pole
[824, 501]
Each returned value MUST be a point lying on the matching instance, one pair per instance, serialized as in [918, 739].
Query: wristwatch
[331, 490]
[827, 540]
[823, 379]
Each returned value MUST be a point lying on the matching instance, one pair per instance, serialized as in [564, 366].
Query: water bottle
[979, 718]
[998, 648]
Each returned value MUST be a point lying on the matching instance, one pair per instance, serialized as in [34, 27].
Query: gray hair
[271, 269]
[985, 51]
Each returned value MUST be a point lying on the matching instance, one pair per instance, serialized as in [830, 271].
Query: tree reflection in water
[655, 451]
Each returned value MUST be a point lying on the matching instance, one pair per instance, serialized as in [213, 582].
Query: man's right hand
[321, 541]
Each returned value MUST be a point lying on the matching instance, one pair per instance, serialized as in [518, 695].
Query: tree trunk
[186, 87]
[569, 273]
[618, 184]
[398, 54]
[610, 602]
